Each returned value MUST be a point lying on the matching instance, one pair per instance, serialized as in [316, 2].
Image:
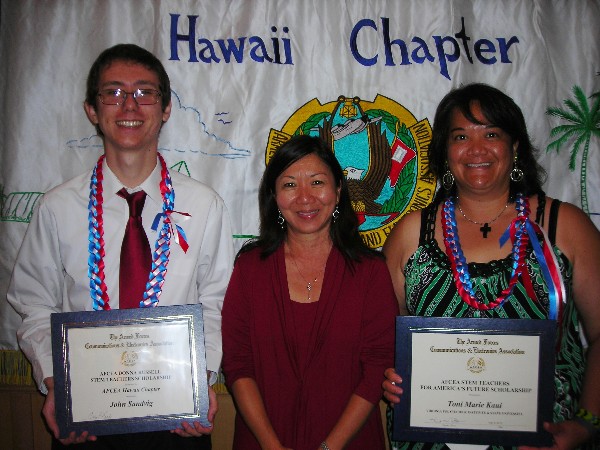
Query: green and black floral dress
[431, 291]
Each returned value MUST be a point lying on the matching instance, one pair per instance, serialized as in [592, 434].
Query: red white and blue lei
[162, 251]
[522, 231]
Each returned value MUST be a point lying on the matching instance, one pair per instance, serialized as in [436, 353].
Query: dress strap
[539, 213]
[553, 220]
[427, 232]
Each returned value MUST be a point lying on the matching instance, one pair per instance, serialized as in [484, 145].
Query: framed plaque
[129, 370]
[475, 381]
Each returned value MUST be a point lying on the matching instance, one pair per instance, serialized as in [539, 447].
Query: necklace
[485, 229]
[160, 259]
[460, 269]
[309, 284]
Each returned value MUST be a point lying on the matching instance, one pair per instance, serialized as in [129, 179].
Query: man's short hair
[129, 53]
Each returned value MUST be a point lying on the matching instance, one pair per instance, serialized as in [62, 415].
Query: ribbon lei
[459, 264]
[156, 277]
[548, 267]
[175, 230]
[550, 270]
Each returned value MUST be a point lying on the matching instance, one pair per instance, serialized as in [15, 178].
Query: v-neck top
[307, 366]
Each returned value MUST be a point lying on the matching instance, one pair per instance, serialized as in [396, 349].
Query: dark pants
[157, 440]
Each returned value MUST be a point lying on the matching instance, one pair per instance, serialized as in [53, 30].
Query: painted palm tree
[583, 124]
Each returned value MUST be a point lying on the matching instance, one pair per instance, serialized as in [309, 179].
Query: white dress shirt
[51, 271]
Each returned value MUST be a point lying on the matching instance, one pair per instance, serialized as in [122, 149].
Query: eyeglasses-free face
[119, 96]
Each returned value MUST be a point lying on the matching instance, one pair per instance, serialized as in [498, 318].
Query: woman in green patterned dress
[481, 151]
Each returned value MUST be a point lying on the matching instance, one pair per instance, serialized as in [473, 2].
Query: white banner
[247, 73]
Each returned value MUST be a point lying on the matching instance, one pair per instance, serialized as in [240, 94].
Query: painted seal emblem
[382, 148]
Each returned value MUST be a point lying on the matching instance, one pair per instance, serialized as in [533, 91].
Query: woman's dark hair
[501, 111]
[129, 53]
[343, 231]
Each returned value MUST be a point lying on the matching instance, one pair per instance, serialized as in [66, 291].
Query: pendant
[309, 286]
[485, 229]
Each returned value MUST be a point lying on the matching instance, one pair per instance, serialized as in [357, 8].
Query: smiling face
[306, 194]
[129, 126]
[480, 155]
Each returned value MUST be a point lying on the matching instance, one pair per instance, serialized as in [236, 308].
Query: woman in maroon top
[308, 318]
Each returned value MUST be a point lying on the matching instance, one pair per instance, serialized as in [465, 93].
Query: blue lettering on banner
[447, 49]
[273, 50]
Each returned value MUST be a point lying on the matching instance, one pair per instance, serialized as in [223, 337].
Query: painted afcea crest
[382, 148]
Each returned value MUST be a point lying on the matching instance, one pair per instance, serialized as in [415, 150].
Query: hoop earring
[516, 174]
[448, 180]
[336, 213]
[280, 220]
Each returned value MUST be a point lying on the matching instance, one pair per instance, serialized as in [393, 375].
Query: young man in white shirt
[128, 99]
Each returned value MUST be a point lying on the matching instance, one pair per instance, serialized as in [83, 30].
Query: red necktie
[136, 259]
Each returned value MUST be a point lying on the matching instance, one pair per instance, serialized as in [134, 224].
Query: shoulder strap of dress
[539, 213]
[427, 232]
[553, 220]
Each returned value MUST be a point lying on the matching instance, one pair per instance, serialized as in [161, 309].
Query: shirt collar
[150, 185]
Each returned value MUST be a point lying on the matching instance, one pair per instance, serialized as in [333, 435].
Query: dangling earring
[336, 213]
[516, 174]
[447, 179]
[280, 220]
